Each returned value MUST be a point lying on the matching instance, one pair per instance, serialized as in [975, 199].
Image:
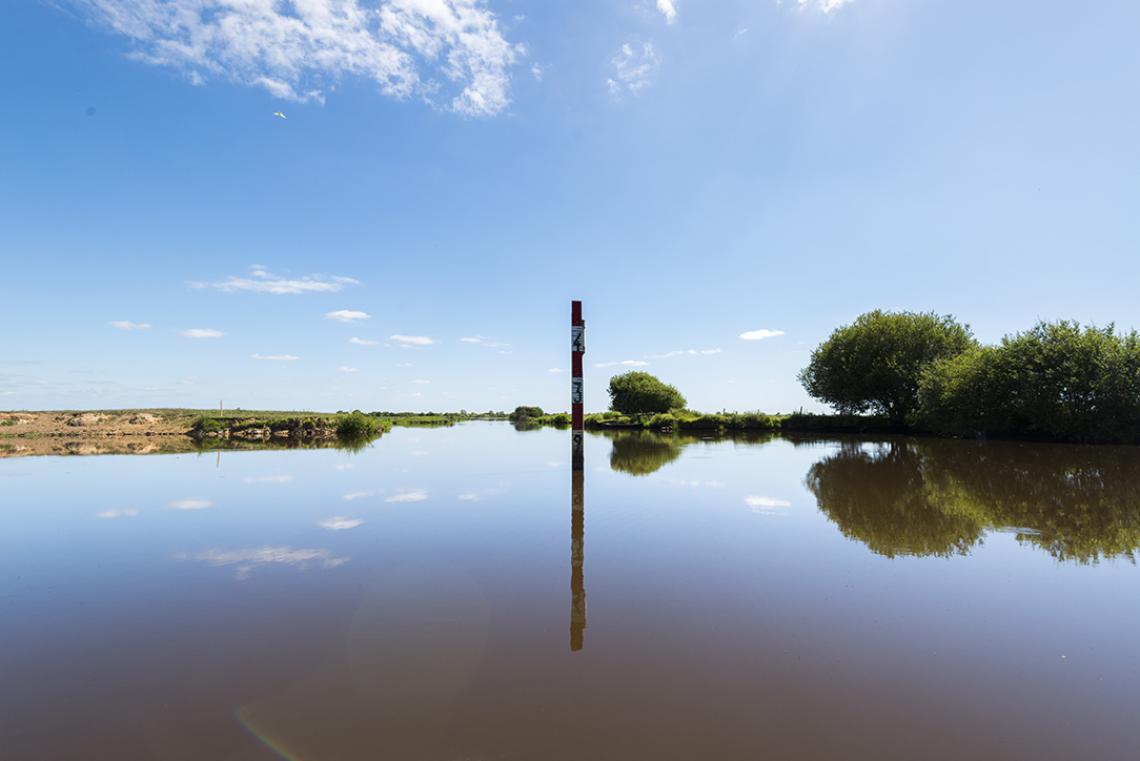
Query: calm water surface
[438, 596]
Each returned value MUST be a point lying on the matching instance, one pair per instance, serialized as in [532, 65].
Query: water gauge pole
[577, 478]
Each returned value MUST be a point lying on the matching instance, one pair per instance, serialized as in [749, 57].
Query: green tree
[523, 413]
[636, 392]
[875, 363]
[1057, 380]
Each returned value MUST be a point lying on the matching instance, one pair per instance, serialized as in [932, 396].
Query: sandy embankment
[127, 431]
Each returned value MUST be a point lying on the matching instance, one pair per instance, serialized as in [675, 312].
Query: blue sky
[693, 171]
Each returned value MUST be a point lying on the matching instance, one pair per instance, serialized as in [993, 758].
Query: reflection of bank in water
[938, 497]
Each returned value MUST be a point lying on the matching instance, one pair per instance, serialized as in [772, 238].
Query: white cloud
[761, 334]
[275, 357]
[469, 497]
[126, 512]
[419, 495]
[247, 560]
[344, 466]
[347, 369]
[483, 341]
[684, 353]
[261, 280]
[128, 325]
[450, 53]
[191, 504]
[363, 341]
[202, 333]
[352, 496]
[421, 381]
[668, 9]
[538, 71]
[632, 69]
[624, 363]
[740, 33]
[340, 523]
[412, 340]
[556, 370]
[826, 6]
[347, 315]
[281, 479]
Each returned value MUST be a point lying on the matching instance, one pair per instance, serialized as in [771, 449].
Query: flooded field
[458, 593]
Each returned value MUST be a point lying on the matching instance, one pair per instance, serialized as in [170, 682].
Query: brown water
[451, 594]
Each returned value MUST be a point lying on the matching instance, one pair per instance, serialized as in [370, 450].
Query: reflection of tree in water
[1078, 503]
[640, 453]
[879, 498]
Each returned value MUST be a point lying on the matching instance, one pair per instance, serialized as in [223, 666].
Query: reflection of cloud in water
[695, 484]
[126, 512]
[281, 479]
[247, 560]
[352, 495]
[419, 495]
[191, 504]
[343, 466]
[767, 505]
[340, 523]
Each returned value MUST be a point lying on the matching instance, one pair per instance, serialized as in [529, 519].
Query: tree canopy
[874, 364]
[636, 392]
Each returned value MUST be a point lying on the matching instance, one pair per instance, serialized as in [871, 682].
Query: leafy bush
[637, 392]
[1057, 380]
[875, 363]
[524, 413]
[356, 425]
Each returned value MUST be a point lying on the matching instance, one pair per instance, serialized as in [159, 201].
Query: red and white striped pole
[577, 394]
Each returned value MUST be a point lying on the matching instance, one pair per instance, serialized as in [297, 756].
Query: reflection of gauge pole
[577, 554]
[577, 477]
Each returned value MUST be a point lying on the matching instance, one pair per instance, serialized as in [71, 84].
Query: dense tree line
[1057, 380]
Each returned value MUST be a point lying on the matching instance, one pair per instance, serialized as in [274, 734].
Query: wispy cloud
[275, 357]
[418, 495]
[124, 512]
[761, 334]
[684, 353]
[201, 333]
[363, 341]
[340, 523]
[352, 496]
[538, 71]
[483, 341]
[825, 6]
[248, 560]
[347, 315]
[668, 9]
[191, 504]
[261, 280]
[632, 69]
[556, 370]
[128, 325]
[413, 340]
[450, 53]
[278, 479]
[740, 33]
[421, 381]
[624, 363]
[347, 369]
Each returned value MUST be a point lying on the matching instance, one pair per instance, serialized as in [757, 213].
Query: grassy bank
[723, 422]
